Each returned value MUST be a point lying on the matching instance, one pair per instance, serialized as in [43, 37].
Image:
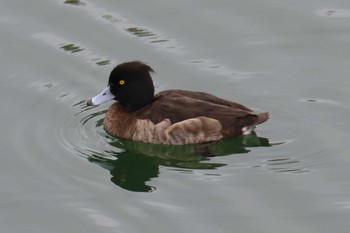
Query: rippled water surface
[60, 172]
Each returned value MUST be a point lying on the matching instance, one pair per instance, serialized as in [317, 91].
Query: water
[60, 172]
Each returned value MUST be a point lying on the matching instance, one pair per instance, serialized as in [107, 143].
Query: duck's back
[181, 105]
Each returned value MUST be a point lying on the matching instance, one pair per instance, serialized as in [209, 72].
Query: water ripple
[333, 13]
[152, 36]
[64, 44]
[285, 165]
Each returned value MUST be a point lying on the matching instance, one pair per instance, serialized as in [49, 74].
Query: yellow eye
[121, 82]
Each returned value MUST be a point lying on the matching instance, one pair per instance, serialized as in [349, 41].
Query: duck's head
[129, 83]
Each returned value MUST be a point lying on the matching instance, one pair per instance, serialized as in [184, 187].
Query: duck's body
[174, 116]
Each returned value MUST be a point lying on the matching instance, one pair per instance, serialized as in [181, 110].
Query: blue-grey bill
[101, 98]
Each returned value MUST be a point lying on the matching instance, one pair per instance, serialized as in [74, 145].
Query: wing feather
[180, 105]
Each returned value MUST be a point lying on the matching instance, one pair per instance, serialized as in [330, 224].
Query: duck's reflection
[139, 162]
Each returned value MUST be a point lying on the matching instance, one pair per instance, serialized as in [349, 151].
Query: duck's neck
[133, 105]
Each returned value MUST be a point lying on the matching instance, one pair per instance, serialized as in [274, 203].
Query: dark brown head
[129, 83]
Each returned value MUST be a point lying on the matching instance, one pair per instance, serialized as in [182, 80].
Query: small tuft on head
[134, 66]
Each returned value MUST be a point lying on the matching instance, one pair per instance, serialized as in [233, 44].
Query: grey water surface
[60, 172]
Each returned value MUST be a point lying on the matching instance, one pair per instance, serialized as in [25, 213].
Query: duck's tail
[262, 117]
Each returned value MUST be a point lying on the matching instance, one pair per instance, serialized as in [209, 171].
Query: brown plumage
[169, 117]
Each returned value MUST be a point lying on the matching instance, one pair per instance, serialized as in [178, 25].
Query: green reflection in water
[140, 32]
[103, 63]
[71, 48]
[138, 163]
[159, 41]
[111, 18]
[75, 2]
